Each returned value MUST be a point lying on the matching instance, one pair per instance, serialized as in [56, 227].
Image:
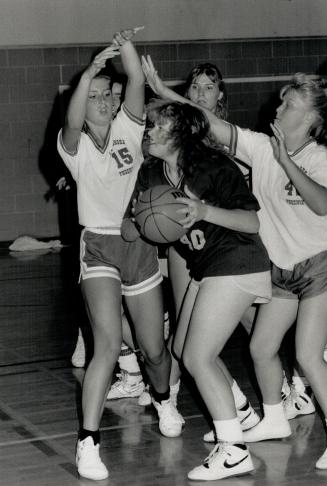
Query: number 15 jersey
[105, 176]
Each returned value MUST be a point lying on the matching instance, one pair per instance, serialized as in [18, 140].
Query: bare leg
[311, 336]
[206, 336]
[147, 314]
[103, 302]
[273, 320]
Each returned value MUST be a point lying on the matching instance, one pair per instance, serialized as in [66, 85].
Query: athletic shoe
[298, 403]
[247, 416]
[267, 430]
[170, 421]
[88, 461]
[78, 357]
[225, 460]
[322, 461]
[127, 386]
[174, 390]
[145, 397]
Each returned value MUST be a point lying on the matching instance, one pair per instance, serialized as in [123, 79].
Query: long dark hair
[188, 131]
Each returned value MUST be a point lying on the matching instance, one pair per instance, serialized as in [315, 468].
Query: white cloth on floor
[28, 243]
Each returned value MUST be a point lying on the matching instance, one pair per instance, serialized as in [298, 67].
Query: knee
[306, 359]
[107, 349]
[191, 363]
[260, 352]
[154, 357]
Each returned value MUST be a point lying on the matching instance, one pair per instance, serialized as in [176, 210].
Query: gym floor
[40, 397]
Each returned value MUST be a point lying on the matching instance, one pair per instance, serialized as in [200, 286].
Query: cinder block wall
[30, 114]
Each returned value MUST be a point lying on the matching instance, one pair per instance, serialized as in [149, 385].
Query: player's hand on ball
[195, 210]
[129, 231]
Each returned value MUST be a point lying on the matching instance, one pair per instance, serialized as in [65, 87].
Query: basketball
[156, 214]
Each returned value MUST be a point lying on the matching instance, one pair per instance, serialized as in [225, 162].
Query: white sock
[298, 383]
[175, 388]
[228, 430]
[239, 397]
[285, 387]
[128, 361]
[274, 413]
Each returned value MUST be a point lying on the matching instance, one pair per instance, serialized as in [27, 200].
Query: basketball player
[226, 258]
[104, 156]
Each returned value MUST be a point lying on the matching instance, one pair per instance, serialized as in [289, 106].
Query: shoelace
[170, 412]
[217, 450]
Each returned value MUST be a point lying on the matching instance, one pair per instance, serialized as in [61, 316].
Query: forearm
[77, 107]
[241, 220]
[131, 63]
[312, 193]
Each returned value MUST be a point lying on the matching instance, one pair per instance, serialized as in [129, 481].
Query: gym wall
[42, 48]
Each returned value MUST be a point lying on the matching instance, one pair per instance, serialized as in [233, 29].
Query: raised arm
[220, 129]
[313, 194]
[77, 106]
[134, 95]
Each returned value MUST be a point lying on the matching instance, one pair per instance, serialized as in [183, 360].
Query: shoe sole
[87, 476]
[121, 398]
[232, 475]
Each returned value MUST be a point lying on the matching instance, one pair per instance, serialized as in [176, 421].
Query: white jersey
[290, 230]
[105, 177]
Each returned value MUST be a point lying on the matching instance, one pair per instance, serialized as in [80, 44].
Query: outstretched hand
[123, 36]
[151, 74]
[278, 144]
[99, 61]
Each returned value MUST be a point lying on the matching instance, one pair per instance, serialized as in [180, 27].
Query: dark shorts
[306, 280]
[135, 264]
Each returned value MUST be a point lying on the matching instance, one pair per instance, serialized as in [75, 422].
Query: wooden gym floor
[40, 399]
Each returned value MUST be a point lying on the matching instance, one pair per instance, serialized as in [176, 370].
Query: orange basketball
[156, 214]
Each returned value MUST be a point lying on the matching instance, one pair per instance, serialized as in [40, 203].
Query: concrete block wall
[29, 116]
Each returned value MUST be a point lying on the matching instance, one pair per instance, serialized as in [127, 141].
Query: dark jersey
[210, 249]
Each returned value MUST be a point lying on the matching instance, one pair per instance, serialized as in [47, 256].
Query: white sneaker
[174, 390]
[145, 397]
[247, 416]
[298, 403]
[78, 356]
[322, 461]
[127, 386]
[170, 421]
[267, 430]
[88, 461]
[225, 460]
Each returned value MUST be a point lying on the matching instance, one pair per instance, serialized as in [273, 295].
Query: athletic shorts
[257, 284]
[307, 279]
[135, 264]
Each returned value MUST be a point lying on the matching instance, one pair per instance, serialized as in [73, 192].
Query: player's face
[159, 139]
[205, 92]
[99, 102]
[116, 91]
[292, 111]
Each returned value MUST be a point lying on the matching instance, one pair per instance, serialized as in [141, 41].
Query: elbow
[321, 212]
[320, 209]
